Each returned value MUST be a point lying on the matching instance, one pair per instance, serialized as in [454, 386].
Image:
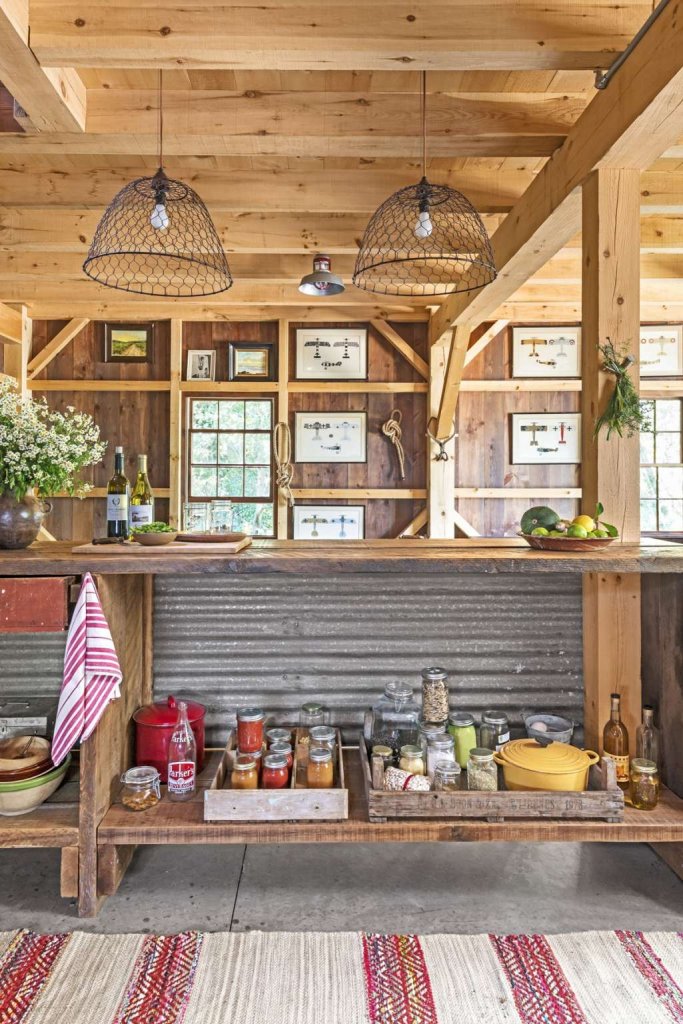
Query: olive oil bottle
[118, 499]
[142, 497]
[615, 742]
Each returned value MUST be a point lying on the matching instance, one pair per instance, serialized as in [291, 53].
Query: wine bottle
[615, 742]
[118, 496]
[142, 497]
[647, 736]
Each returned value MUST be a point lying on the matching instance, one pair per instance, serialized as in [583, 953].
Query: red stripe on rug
[541, 991]
[24, 970]
[161, 983]
[651, 968]
[397, 982]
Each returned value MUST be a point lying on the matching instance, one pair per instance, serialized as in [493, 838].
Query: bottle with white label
[118, 499]
[142, 497]
[182, 758]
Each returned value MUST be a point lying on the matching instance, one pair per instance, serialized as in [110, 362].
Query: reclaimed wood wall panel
[662, 667]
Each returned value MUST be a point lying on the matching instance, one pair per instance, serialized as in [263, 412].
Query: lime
[540, 531]
[577, 531]
[599, 533]
[585, 521]
[555, 533]
[539, 515]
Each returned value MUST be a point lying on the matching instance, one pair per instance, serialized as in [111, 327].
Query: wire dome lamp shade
[156, 238]
[425, 240]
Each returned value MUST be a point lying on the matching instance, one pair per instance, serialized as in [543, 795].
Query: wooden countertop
[479, 555]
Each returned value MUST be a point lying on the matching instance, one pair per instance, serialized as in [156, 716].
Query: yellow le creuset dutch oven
[529, 765]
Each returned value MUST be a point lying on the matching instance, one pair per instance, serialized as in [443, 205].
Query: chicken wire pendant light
[156, 237]
[424, 239]
[322, 281]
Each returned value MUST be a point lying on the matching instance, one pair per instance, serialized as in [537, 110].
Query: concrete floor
[467, 888]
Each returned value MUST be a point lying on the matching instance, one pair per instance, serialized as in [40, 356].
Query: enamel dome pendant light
[424, 240]
[156, 237]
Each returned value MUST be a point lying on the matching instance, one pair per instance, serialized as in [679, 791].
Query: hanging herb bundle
[623, 413]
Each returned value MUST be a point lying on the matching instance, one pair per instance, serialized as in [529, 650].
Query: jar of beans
[434, 695]
[140, 788]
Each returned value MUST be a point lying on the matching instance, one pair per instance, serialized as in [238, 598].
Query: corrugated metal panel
[507, 641]
[31, 672]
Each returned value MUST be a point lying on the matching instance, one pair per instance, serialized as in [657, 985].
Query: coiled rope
[392, 430]
[282, 453]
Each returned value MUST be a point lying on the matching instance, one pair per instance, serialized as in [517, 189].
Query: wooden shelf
[183, 823]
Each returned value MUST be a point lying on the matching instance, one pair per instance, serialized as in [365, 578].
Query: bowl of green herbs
[153, 534]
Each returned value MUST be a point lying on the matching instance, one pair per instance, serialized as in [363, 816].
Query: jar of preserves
[441, 748]
[244, 772]
[426, 732]
[320, 770]
[435, 695]
[395, 717]
[644, 784]
[278, 736]
[462, 729]
[495, 730]
[482, 772]
[280, 747]
[141, 788]
[250, 723]
[255, 755]
[386, 753]
[324, 736]
[447, 777]
[275, 774]
[411, 759]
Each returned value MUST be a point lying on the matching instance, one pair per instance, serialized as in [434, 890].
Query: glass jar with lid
[280, 747]
[494, 732]
[482, 772]
[141, 788]
[462, 729]
[411, 759]
[324, 736]
[386, 753]
[426, 732]
[447, 777]
[435, 695]
[320, 770]
[441, 748]
[244, 772]
[395, 717]
[275, 774]
[644, 784]
[250, 723]
[311, 714]
[277, 735]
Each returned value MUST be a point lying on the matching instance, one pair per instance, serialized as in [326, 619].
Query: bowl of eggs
[549, 728]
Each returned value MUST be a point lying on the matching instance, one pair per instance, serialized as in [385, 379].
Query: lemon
[577, 531]
[540, 531]
[585, 521]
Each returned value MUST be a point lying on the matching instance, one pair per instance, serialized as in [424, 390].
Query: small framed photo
[201, 364]
[329, 522]
[330, 436]
[661, 351]
[545, 438]
[546, 351]
[331, 354]
[128, 343]
[250, 361]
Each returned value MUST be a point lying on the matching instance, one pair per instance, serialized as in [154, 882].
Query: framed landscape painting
[546, 351]
[331, 354]
[546, 438]
[329, 522]
[128, 343]
[330, 436]
[661, 351]
[249, 360]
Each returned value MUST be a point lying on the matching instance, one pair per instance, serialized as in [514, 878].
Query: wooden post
[441, 475]
[282, 523]
[17, 356]
[175, 439]
[610, 469]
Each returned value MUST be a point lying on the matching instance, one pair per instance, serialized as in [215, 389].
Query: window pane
[258, 415]
[203, 482]
[257, 482]
[230, 483]
[668, 414]
[670, 483]
[231, 449]
[232, 416]
[254, 519]
[205, 415]
[671, 515]
[204, 448]
[647, 448]
[648, 482]
[668, 447]
[648, 516]
[257, 449]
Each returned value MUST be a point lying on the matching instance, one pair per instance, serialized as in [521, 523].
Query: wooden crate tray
[603, 800]
[296, 803]
[176, 547]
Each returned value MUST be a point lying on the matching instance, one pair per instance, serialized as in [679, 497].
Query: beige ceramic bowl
[37, 750]
[23, 797]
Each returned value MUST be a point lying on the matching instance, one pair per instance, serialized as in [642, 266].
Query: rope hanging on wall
[442, 454]
[282, 453]
[392, 429]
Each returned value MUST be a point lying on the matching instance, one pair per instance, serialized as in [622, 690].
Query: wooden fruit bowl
[154, 540]
[567, 543]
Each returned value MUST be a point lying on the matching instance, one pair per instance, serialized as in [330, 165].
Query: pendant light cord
[423, 115]
[160, 110]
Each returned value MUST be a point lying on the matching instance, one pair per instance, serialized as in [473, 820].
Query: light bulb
[159, 217]
[423, 225]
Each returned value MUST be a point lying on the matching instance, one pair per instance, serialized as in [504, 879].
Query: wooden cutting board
[177, 547]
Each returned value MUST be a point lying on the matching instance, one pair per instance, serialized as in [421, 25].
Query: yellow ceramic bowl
[528, 765]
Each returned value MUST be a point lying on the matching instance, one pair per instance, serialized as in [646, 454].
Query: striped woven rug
[315, 978]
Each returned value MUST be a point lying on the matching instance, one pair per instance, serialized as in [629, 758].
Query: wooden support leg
[68, 873]
[112, 864]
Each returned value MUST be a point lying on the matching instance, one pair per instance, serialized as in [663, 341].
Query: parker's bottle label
[622, 765]
[181, 776]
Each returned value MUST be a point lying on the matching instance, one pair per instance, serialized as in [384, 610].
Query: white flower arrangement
[44, 449]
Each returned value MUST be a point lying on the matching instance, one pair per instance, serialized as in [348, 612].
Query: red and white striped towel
[92, 674]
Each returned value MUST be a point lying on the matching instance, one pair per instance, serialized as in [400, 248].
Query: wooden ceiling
[294, 121]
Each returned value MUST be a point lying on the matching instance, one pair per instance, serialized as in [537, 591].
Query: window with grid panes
[661, 467]
[230, 456]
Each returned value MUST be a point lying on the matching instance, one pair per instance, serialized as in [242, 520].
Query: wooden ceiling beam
[629, 124]
[137, 309]
[54, 97]
[10, 325]
[525, 35]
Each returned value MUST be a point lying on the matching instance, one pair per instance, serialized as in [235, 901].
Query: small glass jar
[426, 732]
[280, 747]
[412, 760]
[196, 517]
[495, 730]
[254, 755]
[244, 772]
[435, 695]
[250, 723]
[644, 784]
[482, 772]
[386, 753]
[462, 729]
[447, 777]
[221, 516]
[324, 736]
[141, 788]
[441, 748]
[278, 736]
[275, 774]
[319, 770]
[395, 717]
[312, 714]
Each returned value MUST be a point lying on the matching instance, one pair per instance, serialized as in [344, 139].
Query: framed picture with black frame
[251, 360]
[128, 343]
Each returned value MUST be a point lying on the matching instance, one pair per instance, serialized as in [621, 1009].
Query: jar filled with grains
[447, 777]
[426, 732]
[411, 759]
[244, 772]
[434, 695]
[140, 788]
[462, 729]
[320, 770]
[644, 784]
[482, 773]
[495, 730]
[440, 748]
[395, 717]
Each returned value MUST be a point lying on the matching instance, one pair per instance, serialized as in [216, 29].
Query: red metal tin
[154, 724]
